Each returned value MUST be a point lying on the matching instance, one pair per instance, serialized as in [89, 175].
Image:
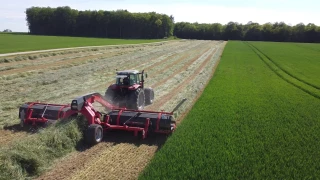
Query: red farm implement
[138, 121]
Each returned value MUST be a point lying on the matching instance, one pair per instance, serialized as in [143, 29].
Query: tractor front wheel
[94, 134]
[136, 100]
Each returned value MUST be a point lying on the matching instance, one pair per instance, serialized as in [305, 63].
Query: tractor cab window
[122, 80]
[127, 80]
[134, 79]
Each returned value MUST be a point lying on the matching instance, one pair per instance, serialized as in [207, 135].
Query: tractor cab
[129, 78]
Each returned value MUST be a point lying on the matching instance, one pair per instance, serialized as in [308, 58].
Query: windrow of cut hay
[30, 156]
[248, 124]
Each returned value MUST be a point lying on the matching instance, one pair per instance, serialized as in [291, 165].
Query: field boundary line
[310, 49]
[287, 72]
[281, 76]
[81, 47]
[199, 94]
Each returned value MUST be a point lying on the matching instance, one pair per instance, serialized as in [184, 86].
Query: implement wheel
[94, 134]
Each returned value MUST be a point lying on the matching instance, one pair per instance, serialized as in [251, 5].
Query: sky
[12, 12]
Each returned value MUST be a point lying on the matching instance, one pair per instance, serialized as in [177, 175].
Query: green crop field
[10, 42]
[258, 118]
[301, 61]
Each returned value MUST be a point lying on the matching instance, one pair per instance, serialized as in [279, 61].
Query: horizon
[12, 14]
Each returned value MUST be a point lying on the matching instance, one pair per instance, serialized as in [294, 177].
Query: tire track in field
[285, 71]
[122, 157]
[314, 92]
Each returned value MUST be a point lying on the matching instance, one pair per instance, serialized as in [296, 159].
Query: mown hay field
[176, 69]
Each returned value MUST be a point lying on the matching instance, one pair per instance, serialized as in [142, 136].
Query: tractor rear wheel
[149, 95]
[109, 95]
[136, 100]
[94, 134]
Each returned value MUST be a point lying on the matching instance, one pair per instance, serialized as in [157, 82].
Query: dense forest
[251, 31]
[64, 21]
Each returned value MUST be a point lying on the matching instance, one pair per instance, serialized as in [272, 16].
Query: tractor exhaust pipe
[178, 105]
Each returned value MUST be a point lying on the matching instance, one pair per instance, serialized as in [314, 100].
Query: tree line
[251, 31]
[64, 21]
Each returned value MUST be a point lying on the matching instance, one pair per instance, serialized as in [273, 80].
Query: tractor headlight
[74, 105]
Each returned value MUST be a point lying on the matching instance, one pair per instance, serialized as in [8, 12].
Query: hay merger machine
[124, 102]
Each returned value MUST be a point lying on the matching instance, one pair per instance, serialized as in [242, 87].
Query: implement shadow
[152, 139]
[118, 137]
[26, 128]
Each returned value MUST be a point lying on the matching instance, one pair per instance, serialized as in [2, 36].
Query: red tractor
[128, 91]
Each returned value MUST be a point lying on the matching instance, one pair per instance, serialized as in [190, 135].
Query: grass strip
[19, 43]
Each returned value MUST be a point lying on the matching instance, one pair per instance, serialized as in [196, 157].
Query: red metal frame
[94, 117]
[28, 117]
